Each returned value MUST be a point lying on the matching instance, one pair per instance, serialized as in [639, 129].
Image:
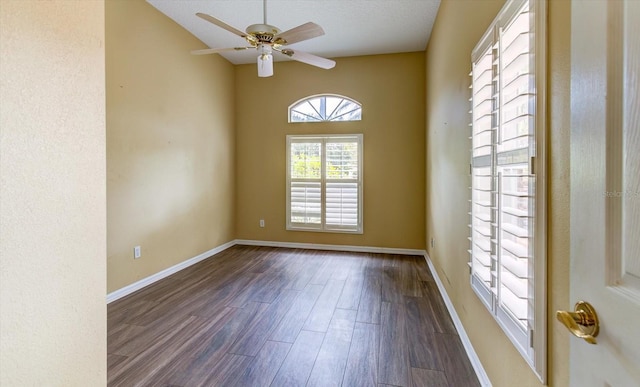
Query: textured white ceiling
[352, 27]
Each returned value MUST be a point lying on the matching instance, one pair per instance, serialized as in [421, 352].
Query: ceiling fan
[267, 39]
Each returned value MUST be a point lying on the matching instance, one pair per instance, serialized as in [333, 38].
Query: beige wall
[52, 194]
[391, 90]
[459, 26]
[170, 144]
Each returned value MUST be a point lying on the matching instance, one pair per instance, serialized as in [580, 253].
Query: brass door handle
[582, 323]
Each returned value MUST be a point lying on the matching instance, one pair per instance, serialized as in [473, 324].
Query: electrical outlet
[433, 243]
[261, 222]
[136, 252]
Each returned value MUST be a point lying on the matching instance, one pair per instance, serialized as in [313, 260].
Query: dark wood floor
[258, 316]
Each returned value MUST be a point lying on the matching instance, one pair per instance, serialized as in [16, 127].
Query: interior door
[605, 188]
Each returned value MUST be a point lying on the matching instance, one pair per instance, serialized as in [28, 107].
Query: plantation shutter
[305, 187]
[503, 184]
[342, 183]
[325, 183]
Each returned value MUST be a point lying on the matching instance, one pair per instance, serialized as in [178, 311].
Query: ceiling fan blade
[310, 59]
[300, 33]
[216, 50]
[221, 24]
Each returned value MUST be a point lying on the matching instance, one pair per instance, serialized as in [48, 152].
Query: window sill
[330, 231]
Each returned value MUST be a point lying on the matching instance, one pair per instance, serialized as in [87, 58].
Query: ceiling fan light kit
[267, 38]
[265, 62]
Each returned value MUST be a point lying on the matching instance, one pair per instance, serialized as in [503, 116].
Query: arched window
[325, 107]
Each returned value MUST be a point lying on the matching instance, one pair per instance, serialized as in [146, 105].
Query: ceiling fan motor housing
[265, 33]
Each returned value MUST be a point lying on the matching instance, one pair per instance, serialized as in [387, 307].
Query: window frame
[533, 344]
[318, 96]
[323, 227]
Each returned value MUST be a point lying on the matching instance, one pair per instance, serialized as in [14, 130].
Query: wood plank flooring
[261, 316]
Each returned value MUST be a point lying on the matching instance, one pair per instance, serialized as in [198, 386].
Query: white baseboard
[125, 291]
[315, 246]
[471, 353]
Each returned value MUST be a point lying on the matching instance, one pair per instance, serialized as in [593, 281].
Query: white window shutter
[324, 183]
[503, 187]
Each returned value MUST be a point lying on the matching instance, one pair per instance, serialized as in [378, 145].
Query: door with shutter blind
[605, 188]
